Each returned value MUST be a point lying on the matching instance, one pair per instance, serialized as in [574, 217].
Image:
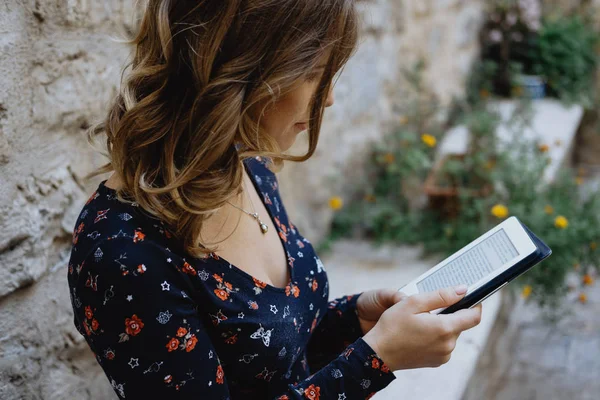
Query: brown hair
[199, 71]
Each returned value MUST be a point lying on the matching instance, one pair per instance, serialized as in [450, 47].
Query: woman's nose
[330, 99]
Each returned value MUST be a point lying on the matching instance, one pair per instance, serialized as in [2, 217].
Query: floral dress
[164, 324]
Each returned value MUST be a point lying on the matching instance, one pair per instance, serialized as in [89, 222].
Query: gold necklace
[264, 228]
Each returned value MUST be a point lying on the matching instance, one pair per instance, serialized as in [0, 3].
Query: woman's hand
[371, 304]
[408, 336]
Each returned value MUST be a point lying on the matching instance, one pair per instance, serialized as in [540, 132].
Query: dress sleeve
[131, 304]
[357, 373]
[141, 325]
[338, 328]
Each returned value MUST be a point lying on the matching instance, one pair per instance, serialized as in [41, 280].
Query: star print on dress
[273, 309]
[165, 286]
[133, 363]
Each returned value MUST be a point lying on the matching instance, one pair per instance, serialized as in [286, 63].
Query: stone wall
[59, 68]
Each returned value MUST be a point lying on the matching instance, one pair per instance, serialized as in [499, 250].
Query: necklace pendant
[263, 227]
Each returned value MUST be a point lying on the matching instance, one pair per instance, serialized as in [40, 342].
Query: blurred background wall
[58, 69]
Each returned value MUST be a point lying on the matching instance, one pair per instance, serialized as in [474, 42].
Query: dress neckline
[249, 165]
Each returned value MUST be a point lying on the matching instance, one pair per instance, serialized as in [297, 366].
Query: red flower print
[282, 236]
[217, 278]
[88, 312]
[133, 325]
[168, 379]
[259, 283]
[168, 234]
[172, 345]
[95, 325]
[315, 285]
[375, 363]
[384, 368]
[109, 354]
[141, 268]
[314, 325]
[222, 294]
[284, 397]
[312, 392]
[187, 268]
[88, 332]
[253, 305]
[191, 343]
[369, 396]
[292, 290]
[181, 332]
[228, 285]
[220, 375]
[138, 236]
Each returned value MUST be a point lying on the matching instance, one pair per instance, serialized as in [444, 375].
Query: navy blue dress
[164, 324]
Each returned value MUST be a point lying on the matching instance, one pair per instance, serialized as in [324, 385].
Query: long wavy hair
[188, 111]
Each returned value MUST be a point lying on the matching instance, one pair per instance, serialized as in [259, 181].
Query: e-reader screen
[474, 264]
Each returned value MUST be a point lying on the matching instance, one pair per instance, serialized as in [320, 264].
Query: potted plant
[508, 39]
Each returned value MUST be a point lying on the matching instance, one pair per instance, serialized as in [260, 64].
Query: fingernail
[461, 289]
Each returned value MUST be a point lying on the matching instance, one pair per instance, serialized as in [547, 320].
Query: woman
[187, 278]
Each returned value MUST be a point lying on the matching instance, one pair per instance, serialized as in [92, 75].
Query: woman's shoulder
[104, 217]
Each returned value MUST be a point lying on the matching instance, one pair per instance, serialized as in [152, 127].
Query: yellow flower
[370, 198]
[549, 210]
[389, 158]
[543, 148]
[335, 203]
[579, 180]
[500, 211]
[593, 246]
[526, 291]
[588, 280]
[490, 165]
[561, 222]
[429, 140]
[517, 91]
[582, 298]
